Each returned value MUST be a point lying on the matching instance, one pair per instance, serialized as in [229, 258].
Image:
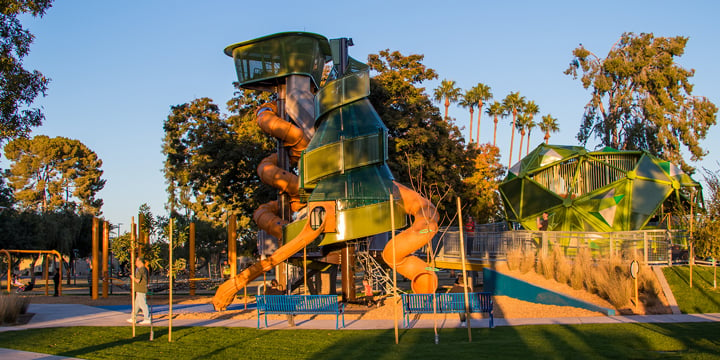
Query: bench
[450, 303]
[300, 304]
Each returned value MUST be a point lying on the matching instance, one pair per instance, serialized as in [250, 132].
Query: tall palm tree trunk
[495, 129]
[477, 138]
[527, 151]
[447, 105]
[522, 137]
[547, 137]
[512, 138]
[471, 124]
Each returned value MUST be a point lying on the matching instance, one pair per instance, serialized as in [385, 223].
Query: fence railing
[653, 246]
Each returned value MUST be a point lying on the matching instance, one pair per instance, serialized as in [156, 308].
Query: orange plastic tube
[290, 134]
[276, 177]
[226, 292]
[419, 234]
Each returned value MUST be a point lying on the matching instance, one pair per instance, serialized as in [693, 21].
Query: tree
[484, 182]
[448, 92]
[211, 160]
[484, 95]
[413, 122]
[512, 103]
[50, 174]
[468, 101]
[642, 99]
[707, 234]
[531, 125]
[495, 109]
[20, 87]
[548, 125]
[531, 109]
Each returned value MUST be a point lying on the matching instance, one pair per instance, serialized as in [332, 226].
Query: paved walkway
[62, 315]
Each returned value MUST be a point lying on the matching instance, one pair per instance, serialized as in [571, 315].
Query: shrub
[514, 257]
[561, 265]
[649, 286]
[613, 281]
[11, 306]
[548, 266]
[528, 261]
[580, 271]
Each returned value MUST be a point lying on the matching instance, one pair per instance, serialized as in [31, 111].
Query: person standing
[542, 222]
[56, 279]
[459, 287]
[141, 286]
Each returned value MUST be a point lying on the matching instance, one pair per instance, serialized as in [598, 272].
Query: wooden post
[170, 277]
[232, 245]
[9, 274]
[140, 236]
[105, 244]
[191, 259]
[305, 269]
[464, 270]
[394, 266]
[692, 239]
[45, 273]
[132, 271]
[95, 258]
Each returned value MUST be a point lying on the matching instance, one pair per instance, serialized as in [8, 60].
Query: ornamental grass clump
[562, 267]
[528, 261]
[11, 306]
[514, 258]
[613, 282]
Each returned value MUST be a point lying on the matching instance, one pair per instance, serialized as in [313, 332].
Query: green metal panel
[359, 222]
[261, 62]
[356, 152]
[345, 90]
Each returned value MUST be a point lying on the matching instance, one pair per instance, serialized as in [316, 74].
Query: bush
[613, 281]
[514, 257]
[649, 286]
[580, 271]
[11, 306]
[548, 266]
[528, 261]
[563, 269]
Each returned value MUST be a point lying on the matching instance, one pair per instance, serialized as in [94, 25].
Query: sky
[116, 67]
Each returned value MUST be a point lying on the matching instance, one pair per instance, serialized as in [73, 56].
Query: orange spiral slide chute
[419, 234]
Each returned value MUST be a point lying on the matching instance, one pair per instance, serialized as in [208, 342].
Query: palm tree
[549, 124]
[468, 101]
[495, 109]
[483, 95]
[447, 91]
[531, 109]
[522, 123]
[530, 125]
[512, 103]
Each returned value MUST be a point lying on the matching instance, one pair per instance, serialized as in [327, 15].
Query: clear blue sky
[117, 67]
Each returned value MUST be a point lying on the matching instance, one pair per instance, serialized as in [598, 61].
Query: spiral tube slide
[266, 216]
[419, 234]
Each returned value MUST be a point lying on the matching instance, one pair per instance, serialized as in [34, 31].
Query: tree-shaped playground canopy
[581, 190]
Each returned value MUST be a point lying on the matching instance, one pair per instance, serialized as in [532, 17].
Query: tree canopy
[414, 122]
[52, 174]
[20, 87]
[642, 99]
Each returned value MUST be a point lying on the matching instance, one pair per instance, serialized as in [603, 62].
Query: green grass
[702, 297]
[697, 340]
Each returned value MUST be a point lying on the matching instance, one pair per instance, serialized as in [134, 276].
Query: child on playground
[369, 296]
[459, 287]
[141, 287]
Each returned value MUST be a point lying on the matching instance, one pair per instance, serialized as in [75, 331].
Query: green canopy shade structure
[581, 190]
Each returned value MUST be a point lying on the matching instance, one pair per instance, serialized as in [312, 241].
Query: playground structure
[602, 191]
[8, 255]
[339, 145]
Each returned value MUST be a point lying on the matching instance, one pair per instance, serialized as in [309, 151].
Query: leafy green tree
[448, 92]
[468, 101]
[413, 122]
[51, 174]
[484, 182]
[707, 234]
[484, 94]
[495, 109]
[513, 103]
[20, 87]
[642, 99]
[548, 125]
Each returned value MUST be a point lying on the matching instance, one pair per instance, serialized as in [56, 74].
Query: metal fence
[653, 246]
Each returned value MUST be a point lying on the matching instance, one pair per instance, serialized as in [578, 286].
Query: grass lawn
[701, 298]
[546, 341]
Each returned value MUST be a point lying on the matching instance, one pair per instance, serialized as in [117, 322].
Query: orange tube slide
[226, 292]
[290, 134]
[419, 234]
